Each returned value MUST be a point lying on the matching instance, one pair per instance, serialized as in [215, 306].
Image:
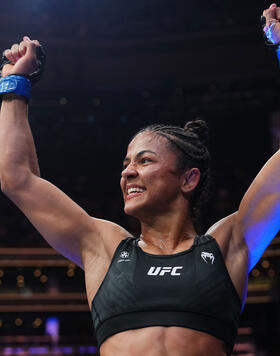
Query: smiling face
[150, 181]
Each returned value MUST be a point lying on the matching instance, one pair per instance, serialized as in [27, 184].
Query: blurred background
[112, 68]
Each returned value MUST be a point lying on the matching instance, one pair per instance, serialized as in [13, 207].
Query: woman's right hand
[22, 57]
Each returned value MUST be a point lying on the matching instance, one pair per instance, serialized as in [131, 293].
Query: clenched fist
[272, 23]
[23, 58]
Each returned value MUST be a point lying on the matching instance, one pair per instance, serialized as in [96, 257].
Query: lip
[132, 195]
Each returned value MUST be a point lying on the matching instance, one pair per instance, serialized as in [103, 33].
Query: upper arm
[258, 221]
[258, 216]
[63, 223]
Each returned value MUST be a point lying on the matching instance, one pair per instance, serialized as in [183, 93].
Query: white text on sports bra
[161, 271]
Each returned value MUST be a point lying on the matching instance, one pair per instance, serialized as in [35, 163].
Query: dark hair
[190, 145]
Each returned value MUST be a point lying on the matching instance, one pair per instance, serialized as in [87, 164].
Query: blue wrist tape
[17, 84]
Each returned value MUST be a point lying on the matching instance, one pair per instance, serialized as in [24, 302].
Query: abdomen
[163, 341]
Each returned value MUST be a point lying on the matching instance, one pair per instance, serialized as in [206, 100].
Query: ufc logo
[161, 271]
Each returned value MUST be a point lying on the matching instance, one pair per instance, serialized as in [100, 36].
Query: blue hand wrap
[16, 84]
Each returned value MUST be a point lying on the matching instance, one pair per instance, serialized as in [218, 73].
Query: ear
[190, 180]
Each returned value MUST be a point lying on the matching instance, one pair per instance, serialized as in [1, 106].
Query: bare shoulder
[109, 235]
[96, 259]
[65, 225]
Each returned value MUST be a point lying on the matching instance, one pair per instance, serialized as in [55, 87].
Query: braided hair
[190, 146]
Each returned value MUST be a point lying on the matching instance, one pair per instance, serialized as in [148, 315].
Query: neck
[168, 232]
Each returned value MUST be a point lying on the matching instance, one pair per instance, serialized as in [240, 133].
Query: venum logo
[208, 256]
[161, 271]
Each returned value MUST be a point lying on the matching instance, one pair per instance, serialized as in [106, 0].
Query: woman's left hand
[272, 23]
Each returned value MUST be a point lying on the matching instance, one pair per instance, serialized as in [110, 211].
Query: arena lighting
[255, 272]
[265, 264]
[18, 322]
[37, 272]
[52, 328]
[70, 273]
[43, 278]
[37, 323]
[44, 350]
[278, 55]
[38, 350]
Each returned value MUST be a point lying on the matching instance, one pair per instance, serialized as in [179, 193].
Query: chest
[190, 289]
[165, 278]
[187, 278]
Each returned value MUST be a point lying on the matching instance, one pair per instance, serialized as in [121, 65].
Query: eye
[145, 160]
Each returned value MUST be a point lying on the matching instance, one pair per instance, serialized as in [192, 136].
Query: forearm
[18, 156]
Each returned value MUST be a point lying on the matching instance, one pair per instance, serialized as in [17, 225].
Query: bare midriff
[163, 341]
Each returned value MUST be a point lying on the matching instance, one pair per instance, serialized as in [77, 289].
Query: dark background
[113, 68]
[116, 66]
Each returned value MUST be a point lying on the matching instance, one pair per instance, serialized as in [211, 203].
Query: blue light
[82, 350]
[8, 351]
[67, 350]
[38, 351]
[92, 349]
[45, 350]
[52, 328]
[278, 55]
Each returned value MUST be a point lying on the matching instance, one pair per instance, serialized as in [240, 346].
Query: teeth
[135, 190]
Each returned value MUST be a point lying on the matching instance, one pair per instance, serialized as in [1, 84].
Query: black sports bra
[190, 289]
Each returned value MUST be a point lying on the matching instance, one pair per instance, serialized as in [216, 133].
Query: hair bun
[199, 128]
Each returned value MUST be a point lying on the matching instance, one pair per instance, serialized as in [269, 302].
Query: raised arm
[258, 216]
[65, 225]
[257, 221]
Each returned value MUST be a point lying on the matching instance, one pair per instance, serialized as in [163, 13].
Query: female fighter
[170, 291]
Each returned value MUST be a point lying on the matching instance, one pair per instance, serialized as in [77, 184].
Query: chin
[130, 211]
[141, 212]
[133, 209]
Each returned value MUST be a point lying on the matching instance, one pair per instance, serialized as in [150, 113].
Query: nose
[129, 172]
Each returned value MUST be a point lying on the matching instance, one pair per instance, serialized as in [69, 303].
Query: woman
[170, 292]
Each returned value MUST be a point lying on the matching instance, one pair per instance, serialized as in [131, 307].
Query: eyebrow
[140, 154]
